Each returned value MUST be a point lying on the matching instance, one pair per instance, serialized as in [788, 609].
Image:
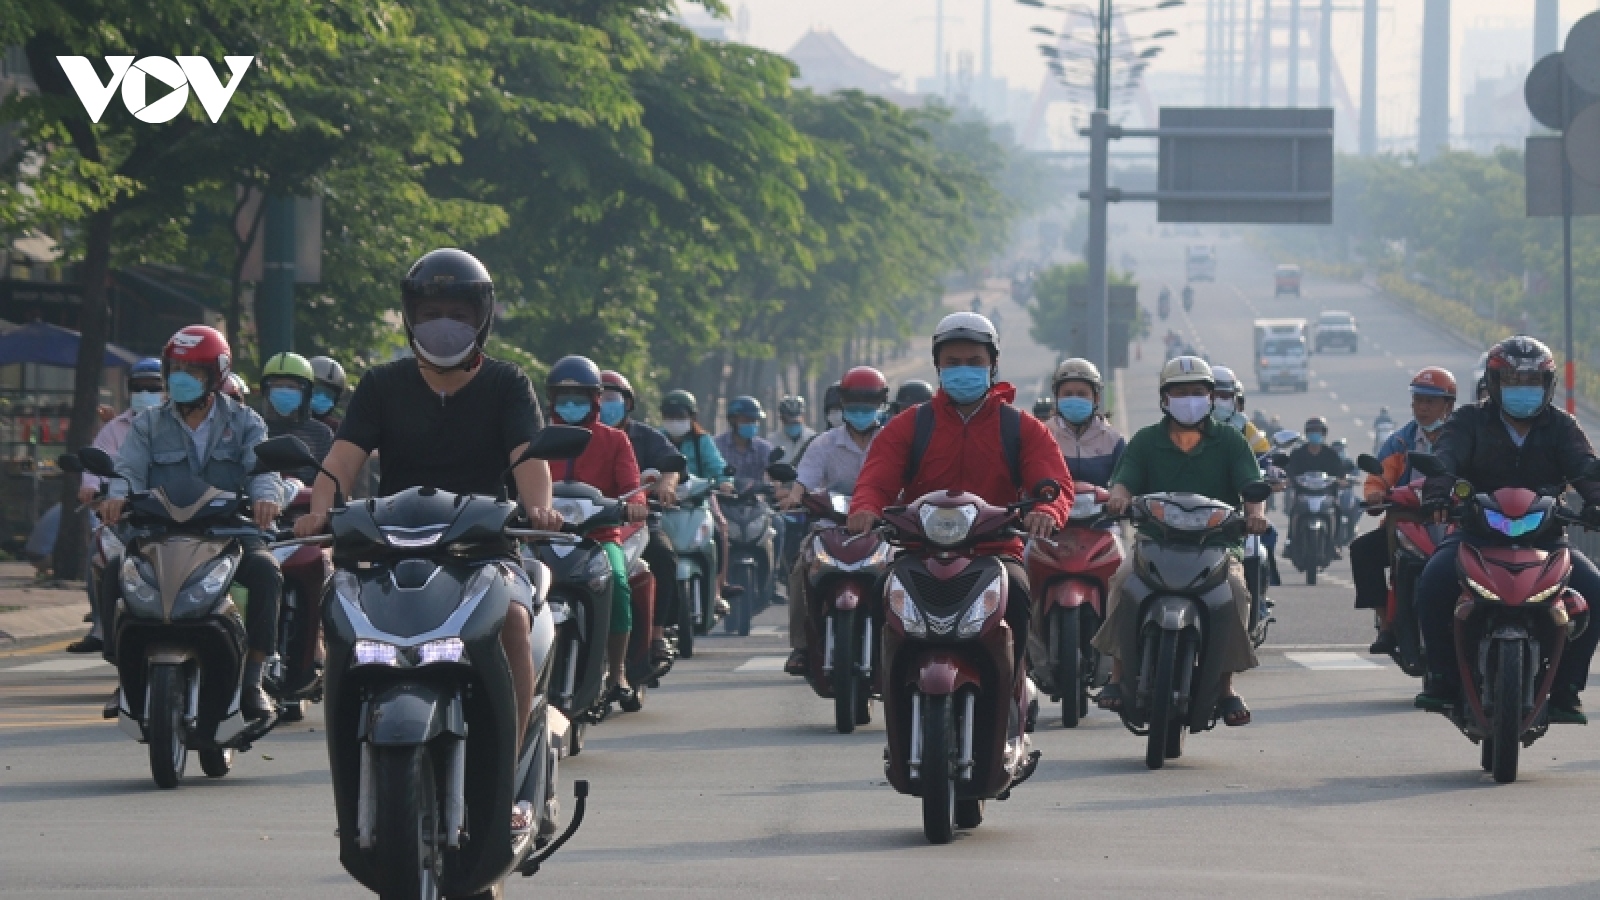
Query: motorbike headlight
[376, 653]
[880, 557]
[981, 609]
[901, 604]
[598, 572]
[219, 577]
[947, 525]
[1544, 595]
[823, 558]
[138, 584]
[1482, 591]
[443, 650]
[202, 593]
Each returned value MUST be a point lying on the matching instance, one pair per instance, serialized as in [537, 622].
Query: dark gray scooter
[1180, 585]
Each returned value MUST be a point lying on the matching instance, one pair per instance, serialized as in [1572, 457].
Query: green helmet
[681, 401]
[289, 365]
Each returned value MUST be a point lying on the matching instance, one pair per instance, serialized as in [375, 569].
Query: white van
[1281, 357]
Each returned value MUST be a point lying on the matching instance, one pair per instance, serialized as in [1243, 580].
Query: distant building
[827, 65]
[1495, 114]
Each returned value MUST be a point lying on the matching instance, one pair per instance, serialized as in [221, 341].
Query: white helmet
[1225, 380]
[967, 326]
[1187, 370]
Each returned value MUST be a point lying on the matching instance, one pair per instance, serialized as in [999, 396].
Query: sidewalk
[34, 612]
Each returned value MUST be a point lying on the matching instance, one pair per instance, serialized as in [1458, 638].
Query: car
[1336, 328]
[1287, 280]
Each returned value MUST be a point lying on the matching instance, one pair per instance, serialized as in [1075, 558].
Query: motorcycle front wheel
[938, 782]
[169, 746]
[1069, 664]
[1165, 740]
[1506, 726]
[688, 597]
[845, 680]
[409, 831]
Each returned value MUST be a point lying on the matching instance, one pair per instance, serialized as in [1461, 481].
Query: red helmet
[203, 346]
[614, 381]
[1433, 381]
[864, 384]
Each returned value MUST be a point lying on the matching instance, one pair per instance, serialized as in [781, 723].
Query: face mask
[746, 431]
[1315, 437]
[1224, 409]
[1431, 428]
[675, 428]
[1521, 402]
[572, 411]
[444, 342]
[140, 401]
[612, 412]
[1076, 410]
[285, 401]
[861, 418]
[964, 384]
[321, 403]
[1188, 410]
[793, 430]
[835, 418]
[185, 388]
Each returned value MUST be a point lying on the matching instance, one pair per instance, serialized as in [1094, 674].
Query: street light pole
[1099, 164]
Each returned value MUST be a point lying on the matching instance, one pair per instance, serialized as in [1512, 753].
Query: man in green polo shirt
[1185, 452]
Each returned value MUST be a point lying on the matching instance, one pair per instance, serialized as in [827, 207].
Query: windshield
[1336, 320]
[1283, 348]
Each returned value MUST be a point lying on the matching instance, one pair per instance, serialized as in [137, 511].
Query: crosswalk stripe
[1331, 662]
[762, 664]
[61, 665]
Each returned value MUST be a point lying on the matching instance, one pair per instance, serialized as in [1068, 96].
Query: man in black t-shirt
[449, 418]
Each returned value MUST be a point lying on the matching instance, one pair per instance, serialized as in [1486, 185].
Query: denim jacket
[157, 452]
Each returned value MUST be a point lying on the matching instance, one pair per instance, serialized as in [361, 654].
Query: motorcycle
[294, 675]
[177, 624]
[1514, 616]
[421, 711]
[1415, 537]
[955, 695]
[692, 530]
[752, 541]
[1313, 523]
[1180, 582]
[1164, 304]
[1070, 572]
[846, 613]
[1188, 298]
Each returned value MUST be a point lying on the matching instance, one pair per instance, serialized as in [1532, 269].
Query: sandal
[521, 819]
[1234, 712]
[1110, 697]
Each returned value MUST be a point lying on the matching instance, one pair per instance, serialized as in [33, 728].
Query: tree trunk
[94, 325]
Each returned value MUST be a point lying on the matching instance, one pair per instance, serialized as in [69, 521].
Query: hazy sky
[899, 35]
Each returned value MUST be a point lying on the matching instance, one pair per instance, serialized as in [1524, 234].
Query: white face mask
[1226, 408]
[675, 428]
[1189, 410]
[835, 418]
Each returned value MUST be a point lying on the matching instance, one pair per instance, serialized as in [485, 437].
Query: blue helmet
[745, 405]
[149, 367]
[578, 372]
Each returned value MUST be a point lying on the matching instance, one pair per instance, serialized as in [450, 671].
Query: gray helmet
[1077, 370]
[1227, 382]
[792, 407]
[967, 326]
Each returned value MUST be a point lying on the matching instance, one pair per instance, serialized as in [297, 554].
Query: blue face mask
[1521, 402]
[1076, 410]
[572, 411]
[964, 384]
[140, 401]
[285, 400]
[746, 430]
[793, 430]
[612, 412]
[861, 418]
[185, 388]
[1315, 437]
[321, 403]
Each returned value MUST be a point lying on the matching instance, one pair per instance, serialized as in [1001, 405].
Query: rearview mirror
[1285, 437]
[674, 464]
[69, 463]
[97, 462]
[1426, 463]
[282, 453]
[1256, 492]
[1590, 470]
[557, 442]
[775, 455]
[1371, 466]
[783, 472]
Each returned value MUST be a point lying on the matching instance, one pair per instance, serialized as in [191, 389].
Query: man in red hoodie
[966, 452]
[609, 466]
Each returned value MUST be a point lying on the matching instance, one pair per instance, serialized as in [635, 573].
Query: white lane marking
[1359, 423]
[762, 664]
[1399, 364]
[1332, 395]
[768, 629]
[1345, 407]
[1331, 662]
[62, 665]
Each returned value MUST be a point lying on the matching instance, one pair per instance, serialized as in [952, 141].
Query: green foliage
[1053, 317]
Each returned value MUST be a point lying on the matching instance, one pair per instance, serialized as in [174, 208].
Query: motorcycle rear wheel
[938, 783]
[1506, 726]
[1069, 665]
[845, 680]
[409, 832]
[169, 748]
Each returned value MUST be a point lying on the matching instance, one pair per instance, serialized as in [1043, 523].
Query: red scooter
[1514, 616]
[954, 692]
[294, 676]
[1415, 538]
[1069, 574]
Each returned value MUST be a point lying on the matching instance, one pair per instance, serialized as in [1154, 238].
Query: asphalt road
[731, 783]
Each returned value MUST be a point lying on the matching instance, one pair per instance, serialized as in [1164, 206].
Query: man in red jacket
[609, 466]
[966, 452]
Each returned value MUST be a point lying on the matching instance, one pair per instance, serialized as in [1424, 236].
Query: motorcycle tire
[739, 622]
[169, 748]
[1069, 664]
[938, 782]
[686, 625]
[1407, 630]
[216, 761]
[1506, 725]
[1163, 702]
[845, 679]
[1486, 754]
[969, 812]
[575, 736]
[1311, 575]
[409, 829]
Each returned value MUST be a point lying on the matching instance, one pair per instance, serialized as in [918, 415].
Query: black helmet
[792, 407]
[830, 398]
[574, 373]
[1523, 355]
[912, 393]
[679, 401]
[449, 274]
[1317, 423]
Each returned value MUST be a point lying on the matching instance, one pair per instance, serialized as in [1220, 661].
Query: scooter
[692, 530]
[421, 712]
[1070, 572]
[1164, 304]
[955, 695]
[1180, 583]
[1414, 538]
[1314, 523]
[1188, 298]
[1515, 614]
[751, 543]
[294, 675]
[177, 626]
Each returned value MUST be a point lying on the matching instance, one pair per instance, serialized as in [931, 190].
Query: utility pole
[1243, 97]
[1211, 53]
[1099, 183]
[1546, 28]
[986, 92]
[1369, 78]
[939, 77]
[1325, 56]
[1230, 67]
[1294, 53]
[1433, 121]
[275, 298]
[1266, 52]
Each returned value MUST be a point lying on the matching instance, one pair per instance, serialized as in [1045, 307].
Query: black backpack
[1010, 441]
